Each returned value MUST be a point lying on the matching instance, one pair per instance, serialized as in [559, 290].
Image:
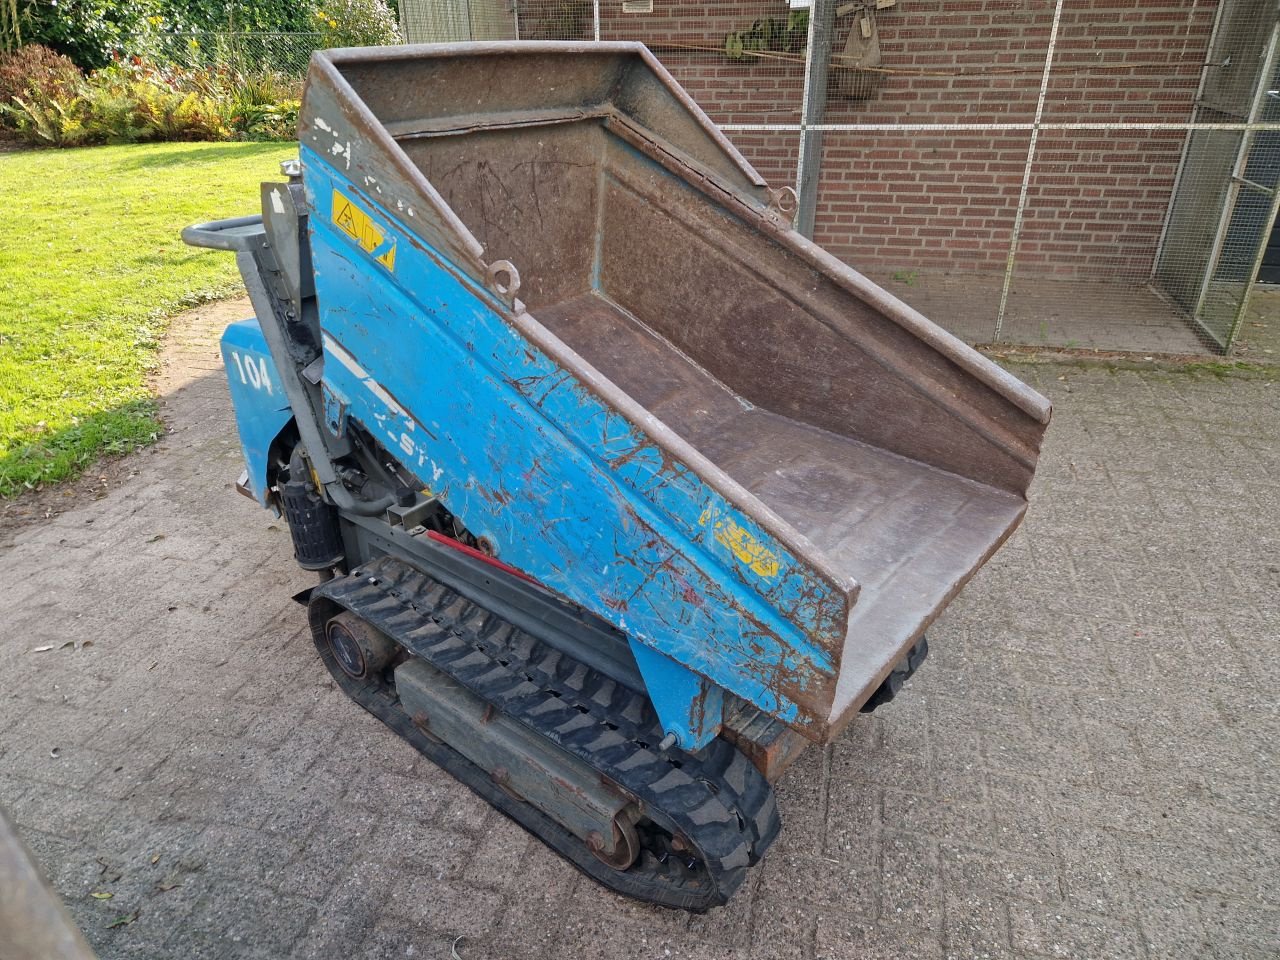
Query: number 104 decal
[253, 371]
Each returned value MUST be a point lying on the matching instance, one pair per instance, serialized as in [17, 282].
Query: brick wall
[947, 201]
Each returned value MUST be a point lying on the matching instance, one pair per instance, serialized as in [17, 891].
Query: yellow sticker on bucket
[352, 220]
[741, 543]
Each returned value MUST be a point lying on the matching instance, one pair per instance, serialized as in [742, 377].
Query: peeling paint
[342, 150]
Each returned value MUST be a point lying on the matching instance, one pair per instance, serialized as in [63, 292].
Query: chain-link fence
[1078, 173]
[284, 53]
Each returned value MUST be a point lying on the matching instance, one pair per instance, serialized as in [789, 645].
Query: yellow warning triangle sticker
[344, 218]
[348, 217]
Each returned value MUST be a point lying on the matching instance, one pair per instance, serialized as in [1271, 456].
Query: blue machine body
[261, 408]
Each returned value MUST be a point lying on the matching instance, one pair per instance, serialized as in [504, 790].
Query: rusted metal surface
[375, 95]
[769, 744]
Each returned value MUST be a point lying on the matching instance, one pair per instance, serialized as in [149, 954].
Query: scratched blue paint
[688, 705]
[568, 488]
[262, 410]
[686, 500]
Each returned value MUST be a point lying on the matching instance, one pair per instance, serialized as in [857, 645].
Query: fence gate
[1224, 202]
[448, 21]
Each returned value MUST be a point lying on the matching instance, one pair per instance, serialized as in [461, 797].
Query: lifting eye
[505, 278]
[784, 201]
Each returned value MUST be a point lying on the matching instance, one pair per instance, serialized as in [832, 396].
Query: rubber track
[716, 799]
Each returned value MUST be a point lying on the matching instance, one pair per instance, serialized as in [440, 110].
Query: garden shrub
[161, 104]
[257, 16]
[34, 68]
[357, 23]
[264, 106]
[51, 120]
[87, 31]
[92, 32]
[134, 100]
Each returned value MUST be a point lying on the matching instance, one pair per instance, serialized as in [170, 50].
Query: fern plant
[173, 115]
[48, 120]
[113, 115]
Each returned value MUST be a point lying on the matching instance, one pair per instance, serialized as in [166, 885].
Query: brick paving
[1084, 768]
[1049, 313]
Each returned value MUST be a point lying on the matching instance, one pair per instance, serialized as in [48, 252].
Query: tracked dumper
[621, 491]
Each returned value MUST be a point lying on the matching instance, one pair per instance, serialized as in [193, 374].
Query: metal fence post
[812, 108]
[1026, 171]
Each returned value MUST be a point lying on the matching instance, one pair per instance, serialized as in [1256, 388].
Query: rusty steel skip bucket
[804, 452]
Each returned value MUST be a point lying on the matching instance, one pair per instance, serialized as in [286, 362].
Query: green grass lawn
[91, 266]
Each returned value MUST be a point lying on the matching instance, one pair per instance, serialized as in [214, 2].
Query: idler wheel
[359, 649]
